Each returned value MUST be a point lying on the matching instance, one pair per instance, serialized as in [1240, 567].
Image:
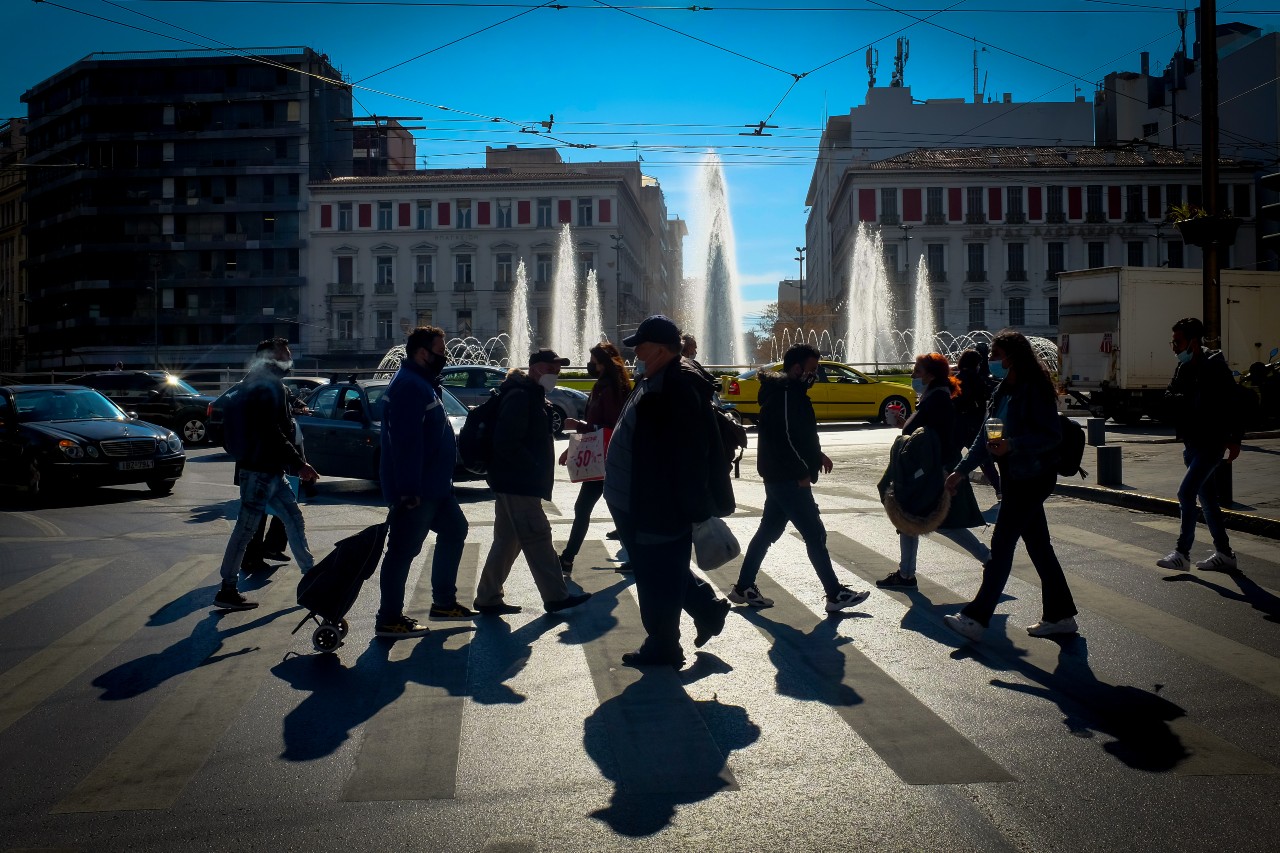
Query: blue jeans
[1201, 462]
[257, 490]
[406, 531]
[786, 501]
[962, 536]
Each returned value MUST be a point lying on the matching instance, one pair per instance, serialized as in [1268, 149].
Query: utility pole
[1209, 167]
[155, 312]
[617, 286]
[800, 250]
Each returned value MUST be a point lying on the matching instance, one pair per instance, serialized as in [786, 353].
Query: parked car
[157, 397]
[299, 387]
[59, 436]
[840, 394]
[473, 383]
[343, 431]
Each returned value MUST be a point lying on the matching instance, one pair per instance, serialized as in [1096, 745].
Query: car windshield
[62, 405]
[452, 407]
[178, 386]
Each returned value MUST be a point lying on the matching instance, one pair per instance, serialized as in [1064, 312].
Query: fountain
[923, 325]
[712, 309]
[566, 305]
[521, 335]
[592, 318]
[869, 339]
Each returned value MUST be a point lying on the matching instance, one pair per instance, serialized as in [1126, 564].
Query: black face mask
[435, 363]
[592, 370]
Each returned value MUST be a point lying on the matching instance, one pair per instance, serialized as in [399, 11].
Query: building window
[542, 269]
[464, 213]
[1176, 258]
[1151, 131]
[424, 269]
[584, 212]
[1053, 310]
[1093, 204]
[1244, 200]
[344, 216]
[934, 214]
[462, 269]
[1137, 251]
[1097, 255]
[940, 312]
[977, 312]
[384, 269]
[891, 258]
[346, 269]
[502, 271]
[586, 263]
[1134, 210]
[1014, 210]
[1053, 199]
[889, 205]
[544, 213]
[977, 269]
[425, 316]
[384, 216]
[935, 259]
[1057, 259]
[1017, 311]
[345, 325]
[463, 327]
[1172, 195]
[1017, 257]
[424, 215]
[504, 213]
[385, 325]
[977, 212]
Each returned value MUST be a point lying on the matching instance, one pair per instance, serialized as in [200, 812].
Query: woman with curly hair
[613, 386]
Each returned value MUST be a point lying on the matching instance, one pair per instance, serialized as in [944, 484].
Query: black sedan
[60, 436]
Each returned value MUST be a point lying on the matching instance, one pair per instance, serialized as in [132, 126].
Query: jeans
[1022, 516]
[962, 536]
[588, 496]
[1201, 462]
[665, 585]
[257, 490]
[520, 525]
[267, 540]
[406, 531]
[788, 501]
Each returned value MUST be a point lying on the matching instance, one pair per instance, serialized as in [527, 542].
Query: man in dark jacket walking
[265, 425]
[416, 470]
[1199, 403]
[521, 474]
[789, 458]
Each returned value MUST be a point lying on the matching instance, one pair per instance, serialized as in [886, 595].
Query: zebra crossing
[153, 704]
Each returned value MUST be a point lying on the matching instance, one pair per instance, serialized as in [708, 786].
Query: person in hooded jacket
[789, 458]
[521, 474]
[416, 470]
[976, 385]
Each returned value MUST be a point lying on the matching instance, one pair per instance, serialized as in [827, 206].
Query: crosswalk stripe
[155, 761]
[1200, 752]
[410, 747]
[24, 686]
[27, 592]
[1239, 544]
[48, 528]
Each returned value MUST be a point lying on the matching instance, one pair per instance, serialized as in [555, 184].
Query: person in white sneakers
[1198, 401]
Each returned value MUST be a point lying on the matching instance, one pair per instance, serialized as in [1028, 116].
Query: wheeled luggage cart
[330, 589]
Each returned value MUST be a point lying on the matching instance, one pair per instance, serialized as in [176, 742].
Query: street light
[800, 257]
[906, 247]
[617, 285]
[155, 311]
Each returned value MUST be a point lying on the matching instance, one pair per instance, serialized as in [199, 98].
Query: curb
[1258, 525]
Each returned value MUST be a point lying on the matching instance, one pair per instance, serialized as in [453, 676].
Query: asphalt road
[132, 717]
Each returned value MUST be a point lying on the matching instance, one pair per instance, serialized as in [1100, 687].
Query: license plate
[136, 464]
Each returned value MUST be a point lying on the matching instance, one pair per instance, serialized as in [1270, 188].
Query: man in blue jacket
[416, 468]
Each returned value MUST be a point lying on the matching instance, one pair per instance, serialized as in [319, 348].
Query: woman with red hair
[936, 387]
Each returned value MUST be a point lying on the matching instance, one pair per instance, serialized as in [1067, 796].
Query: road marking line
[1270, 553]
[27, 592]
[47, 527]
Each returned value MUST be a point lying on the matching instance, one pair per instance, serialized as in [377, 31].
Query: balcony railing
[1015, 218]
[937, 276]
[975, 275]
[935, 219]
[384, 344]
[384, 288]
[464, 287]
[542, 285]
[344, 288]
[1135, 216]
[502, 285]
[975, 219]
[890, 219]
[1016, 275]
[424, 287]
[343, 345]
[1095, 216]
[1055, 217]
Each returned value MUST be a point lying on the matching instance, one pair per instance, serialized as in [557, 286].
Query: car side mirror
[133, 416]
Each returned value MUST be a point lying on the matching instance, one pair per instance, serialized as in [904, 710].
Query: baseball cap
[655, 330]
[547, 356]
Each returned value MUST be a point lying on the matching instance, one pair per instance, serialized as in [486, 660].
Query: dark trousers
[665, 585]
[406, 531]
[588, 497]
[268, 539]
[788, 501]
[1022, 517]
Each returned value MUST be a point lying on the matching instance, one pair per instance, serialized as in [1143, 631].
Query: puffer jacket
[788, 431]
[523, 448]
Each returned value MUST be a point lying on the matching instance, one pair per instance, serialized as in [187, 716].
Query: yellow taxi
[840, 394]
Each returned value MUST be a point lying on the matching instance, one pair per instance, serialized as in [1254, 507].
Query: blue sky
[649, 79]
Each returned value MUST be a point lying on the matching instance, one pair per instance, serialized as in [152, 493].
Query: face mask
[808, 379]
[638, 369]
[548, 382]
[282, 366]
[917, 385]
[998, 370]
[1184, 356]
[592, 370]
[435, 363]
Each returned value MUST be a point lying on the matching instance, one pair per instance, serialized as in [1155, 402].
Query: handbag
[586, 455]
[714, 543]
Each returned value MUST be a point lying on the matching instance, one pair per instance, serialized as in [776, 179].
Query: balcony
[937, 218]
[1016, 275]
[384, 344]
[384, 288]
[344, 288]
[975, 219]
[1015, 218]
[542, 285]
[975, 275]
[343, 345]
[464, 287]
[502, 286]
[424, 287]
[1055, 217]
[937, 276]
[890, 219]
[1135, 216]
[1095, 216]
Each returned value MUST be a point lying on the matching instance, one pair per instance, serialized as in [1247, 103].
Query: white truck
[1115, 324]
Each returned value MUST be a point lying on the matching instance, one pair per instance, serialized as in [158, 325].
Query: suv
[156, 397]
[298, 388]
[472, 384]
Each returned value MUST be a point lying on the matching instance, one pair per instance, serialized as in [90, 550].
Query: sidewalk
[1152, 469]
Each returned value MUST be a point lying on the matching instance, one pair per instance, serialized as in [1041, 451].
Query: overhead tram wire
[1126, 8]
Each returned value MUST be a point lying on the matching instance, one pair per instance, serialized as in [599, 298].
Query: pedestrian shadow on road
[499, 654]
[212, 512]
[1137, 720]
[643, 746]
[810, 665]
[595, 619]
[1250, 593]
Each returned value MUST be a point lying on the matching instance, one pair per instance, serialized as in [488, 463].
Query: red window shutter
[606, 210]
[482, 213]
[995, 203]
[442, 213]
[1035, 209]
[366, 216]
[955, 204]
[406, 218]
[1075, 203]
[911, 205]
[1155, 210]
[866, 205]
[523, 210]
[1113, 203]
[326, 216]
[566, 210]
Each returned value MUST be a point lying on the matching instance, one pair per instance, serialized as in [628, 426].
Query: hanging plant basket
[1203, 231]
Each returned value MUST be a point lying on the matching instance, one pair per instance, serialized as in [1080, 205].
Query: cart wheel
[326, 638]
[342, 627]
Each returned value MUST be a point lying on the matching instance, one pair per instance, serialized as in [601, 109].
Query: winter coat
[937, 411]
[523, 448]
[788, 448]
[1031, 429]
[1198, 402]
[419, 450]
[603, 406]
[268, 425]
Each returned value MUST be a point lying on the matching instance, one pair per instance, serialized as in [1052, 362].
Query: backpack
[1071, 450]
[235, 438]
[475, 439]
[912, 488]
[733, 436]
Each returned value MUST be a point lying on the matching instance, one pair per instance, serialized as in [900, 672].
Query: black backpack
[1071, 450]
[235, 439]
[475, 439]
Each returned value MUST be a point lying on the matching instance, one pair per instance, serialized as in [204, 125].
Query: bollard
[1222, 478]
[1097, 431]
[1110, 469]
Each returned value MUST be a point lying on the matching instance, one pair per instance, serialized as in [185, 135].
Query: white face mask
[638, 369]
[283, 366]
[548, 382]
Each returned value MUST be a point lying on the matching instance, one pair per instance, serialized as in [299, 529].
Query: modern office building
[166, 203]
[13, 277]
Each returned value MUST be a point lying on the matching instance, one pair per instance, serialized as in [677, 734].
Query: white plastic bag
[586, 455]
[714, 544]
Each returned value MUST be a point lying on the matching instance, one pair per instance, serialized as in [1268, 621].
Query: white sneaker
[965, 626]
[1177, 561]
[1218, 562]
[1045, 629]
[751, 596]
[845, 598]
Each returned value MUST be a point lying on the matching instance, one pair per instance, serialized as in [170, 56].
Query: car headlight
[92, 451]
[70, 449]
[175, 443]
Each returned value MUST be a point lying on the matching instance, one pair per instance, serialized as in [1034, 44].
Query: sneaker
[750, 596]
[451, 611]
[712, 625]
[499, 609]
[965, 626]
[1046, 629]
[566, 602]
[229, 598]
[400, 628]
[566, 565]
[845, 598]
[647, 659]
[1218, 561]
[897, 580]
[276, 556]
[1176, 560]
